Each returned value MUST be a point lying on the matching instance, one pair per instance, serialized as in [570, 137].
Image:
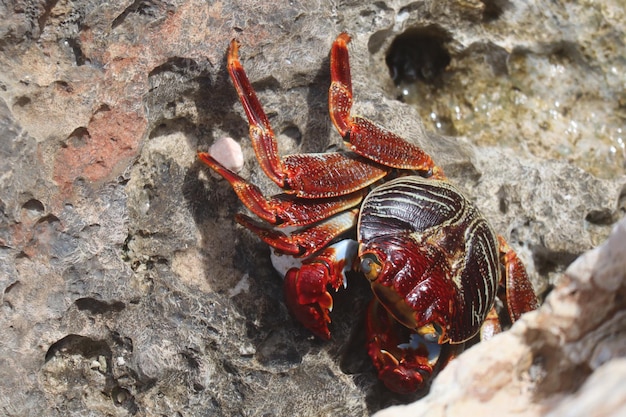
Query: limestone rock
[126, 287]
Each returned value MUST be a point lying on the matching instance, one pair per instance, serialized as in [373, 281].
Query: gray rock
[126, 286]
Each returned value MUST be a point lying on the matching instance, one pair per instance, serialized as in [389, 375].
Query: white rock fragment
[283, 263]
[228, 153]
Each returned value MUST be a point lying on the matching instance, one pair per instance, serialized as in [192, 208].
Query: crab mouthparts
[395, 304]
[416, 341]
[405, 315]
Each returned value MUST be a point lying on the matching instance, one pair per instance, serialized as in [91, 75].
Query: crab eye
[370, 266]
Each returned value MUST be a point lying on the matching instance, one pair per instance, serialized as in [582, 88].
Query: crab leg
[283, 209]
[265, 147]
[306, 288]
[304, 242]
[362, 135]
[330, 174]
[310, 175]
[520, 296]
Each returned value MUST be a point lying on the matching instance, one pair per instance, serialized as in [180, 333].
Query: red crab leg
[305, 242]
[330, 174]
[261, 133]
[520, 296]
[308, 176]
[283, 209]
[306, 288]
[361, 135]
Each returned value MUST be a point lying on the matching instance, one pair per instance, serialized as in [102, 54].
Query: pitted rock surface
[126, 287]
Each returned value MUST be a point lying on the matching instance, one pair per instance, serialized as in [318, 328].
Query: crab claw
[307, 298]
[306, 287]
[403, 367]
[397, 377]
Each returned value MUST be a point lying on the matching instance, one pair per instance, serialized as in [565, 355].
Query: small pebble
[228, 153]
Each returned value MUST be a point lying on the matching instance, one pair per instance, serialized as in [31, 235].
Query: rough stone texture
[127, 289]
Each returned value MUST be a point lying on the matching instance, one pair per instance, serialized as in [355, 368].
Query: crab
[381, 208]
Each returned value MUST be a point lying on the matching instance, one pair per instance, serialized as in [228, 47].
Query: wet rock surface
[128, 289]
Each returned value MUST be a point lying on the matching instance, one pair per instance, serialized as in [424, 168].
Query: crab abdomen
[445, 252]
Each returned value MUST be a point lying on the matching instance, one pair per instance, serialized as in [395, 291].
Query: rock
[227, 152]
[127, 288]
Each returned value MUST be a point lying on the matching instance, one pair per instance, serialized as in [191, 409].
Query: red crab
[434, 263]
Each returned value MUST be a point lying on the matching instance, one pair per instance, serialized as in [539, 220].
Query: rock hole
[22, 101]
[293, 132]
[603, 217]
[567, 53]
[120, 395]
[166, 127]
[377, 40]
[78, 137]
[49, 219]
[229, 367]
[79, 57]
[503, 203]
[494, 9]
[418, 54]
[176, 65]
[146, 10]
[63, 86]
[556, 372]
[123, 398]
[45, 14]
[12, 286]
[123, 341]
[33, 205]
[268, 82]
[192, 361]
[102, 108]
[81, 345]
[98, 307]
[547, 261]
